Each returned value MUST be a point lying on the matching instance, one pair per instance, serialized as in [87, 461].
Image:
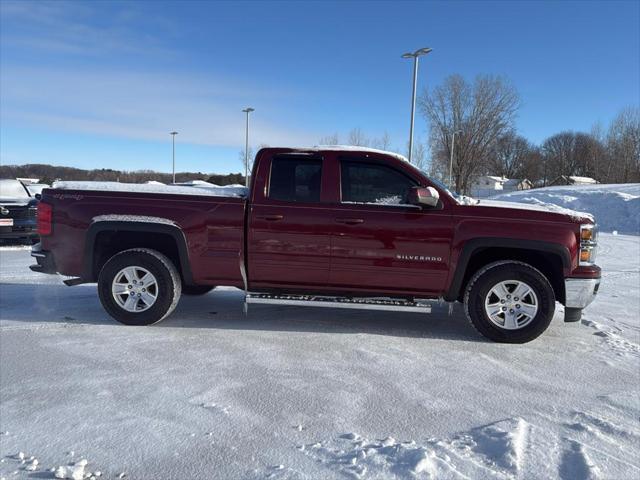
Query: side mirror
[38, 196]
[428, 196]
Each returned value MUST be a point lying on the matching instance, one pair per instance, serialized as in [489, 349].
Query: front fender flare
[474, 245]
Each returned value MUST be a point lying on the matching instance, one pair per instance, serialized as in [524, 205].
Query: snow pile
[361, 458]
[74, 471]
[214, 191]
[616, 207]
[71, 471]
[498, 448]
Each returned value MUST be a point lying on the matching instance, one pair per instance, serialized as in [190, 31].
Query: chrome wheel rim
[134, 289]
[511, 304]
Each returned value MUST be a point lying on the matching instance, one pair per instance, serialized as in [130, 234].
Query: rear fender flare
[141, 224]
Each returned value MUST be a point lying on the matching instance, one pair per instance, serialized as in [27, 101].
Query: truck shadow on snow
[223, 309]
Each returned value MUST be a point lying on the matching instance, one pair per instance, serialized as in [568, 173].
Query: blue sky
[100, 84]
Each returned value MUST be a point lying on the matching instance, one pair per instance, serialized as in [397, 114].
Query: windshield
[12, 189]
[36, 188]
[443, 187]
[461, 199]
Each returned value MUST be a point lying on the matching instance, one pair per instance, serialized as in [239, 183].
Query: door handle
[350, 221]
[271, 218]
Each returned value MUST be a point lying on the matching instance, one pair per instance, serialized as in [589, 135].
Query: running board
[369, 303]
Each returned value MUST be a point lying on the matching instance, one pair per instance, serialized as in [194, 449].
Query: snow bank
[214, 191]
[616, 207]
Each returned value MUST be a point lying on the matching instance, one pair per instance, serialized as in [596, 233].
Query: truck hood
[544, 211]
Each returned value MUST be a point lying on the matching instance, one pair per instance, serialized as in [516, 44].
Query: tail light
[45, 217]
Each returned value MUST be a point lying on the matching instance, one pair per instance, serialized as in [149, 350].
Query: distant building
[488, 185]
[573, 180]
[515, 184]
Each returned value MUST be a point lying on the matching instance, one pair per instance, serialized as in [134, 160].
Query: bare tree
[481, 112]
[246, 167]
[533, 165]
[510, 155]
[419, 158]
[357, 138]
[570, 153]
[383, 143]
[599, 159]
[623, 147]
[330, 140]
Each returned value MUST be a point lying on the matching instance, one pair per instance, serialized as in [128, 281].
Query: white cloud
[46, 80]
[145, 106]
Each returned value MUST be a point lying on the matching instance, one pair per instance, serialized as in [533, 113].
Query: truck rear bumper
[580, 292]
[46, 263]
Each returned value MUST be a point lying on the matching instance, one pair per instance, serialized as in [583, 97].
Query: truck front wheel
[509, 302]
[139, 286]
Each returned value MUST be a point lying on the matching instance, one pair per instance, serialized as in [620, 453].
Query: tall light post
[247, 110]
[453, 140]
[414, 55]
[173, 138]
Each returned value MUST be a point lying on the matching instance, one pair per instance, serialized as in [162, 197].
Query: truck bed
[211, 220]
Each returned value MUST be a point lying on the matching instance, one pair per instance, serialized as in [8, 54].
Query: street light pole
[414, 55]
[247, 110]
[173, 138]
[453, 140]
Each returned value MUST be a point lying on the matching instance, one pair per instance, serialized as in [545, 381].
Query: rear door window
[295, 180]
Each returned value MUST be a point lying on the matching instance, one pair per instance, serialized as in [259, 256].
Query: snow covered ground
[615, 206]
[300, 393]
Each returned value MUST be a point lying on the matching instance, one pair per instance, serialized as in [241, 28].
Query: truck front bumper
[580, 292]
[45, 264]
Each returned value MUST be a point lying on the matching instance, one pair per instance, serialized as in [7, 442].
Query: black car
[17, 211]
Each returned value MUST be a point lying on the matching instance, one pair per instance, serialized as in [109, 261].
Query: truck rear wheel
[139, 286]
[509, 302]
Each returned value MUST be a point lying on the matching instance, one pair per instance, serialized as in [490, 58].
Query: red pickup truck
[337, 227]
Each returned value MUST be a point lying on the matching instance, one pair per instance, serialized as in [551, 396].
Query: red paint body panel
[213, 228]
[323, 246]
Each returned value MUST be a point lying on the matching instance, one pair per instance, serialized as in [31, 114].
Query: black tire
[168, 288]
[489, 276]
[196, 289]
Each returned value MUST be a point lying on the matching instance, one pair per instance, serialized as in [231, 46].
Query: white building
[488, 185]
[515, 184]
[573, 180]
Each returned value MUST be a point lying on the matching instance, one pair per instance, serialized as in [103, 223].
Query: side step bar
[369, 303]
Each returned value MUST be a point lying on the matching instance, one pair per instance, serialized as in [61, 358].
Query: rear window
[295, 179]
[12, 189]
